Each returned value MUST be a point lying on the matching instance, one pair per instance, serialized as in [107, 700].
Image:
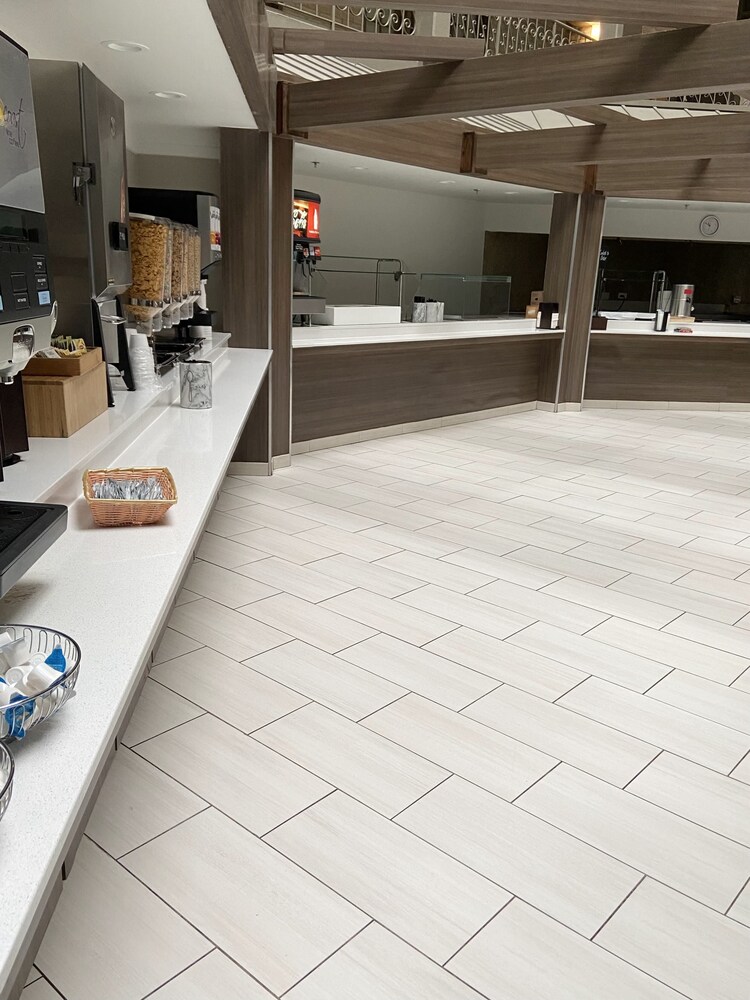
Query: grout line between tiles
[178, 974]
[622, 901]
[742, 889]
[478, 931]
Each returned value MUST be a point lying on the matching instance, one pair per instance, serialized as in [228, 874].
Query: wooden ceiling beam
[696, 180]
[669, 63]
[637, 142]
[371, 45]
[244, 30]
[657, 12]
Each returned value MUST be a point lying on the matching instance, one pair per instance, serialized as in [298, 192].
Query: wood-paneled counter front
[706, 367]
[343, 388]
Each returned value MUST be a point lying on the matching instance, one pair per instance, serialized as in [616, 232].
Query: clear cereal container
[164, 319]
[179, 272]
[191, 297]
[144, 300]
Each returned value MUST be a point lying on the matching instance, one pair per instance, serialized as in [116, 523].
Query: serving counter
[352, 379]
[111, 589]
[628, 362]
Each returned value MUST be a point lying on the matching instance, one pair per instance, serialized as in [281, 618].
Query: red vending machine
[306, 253]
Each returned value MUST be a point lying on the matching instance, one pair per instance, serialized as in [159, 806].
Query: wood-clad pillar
[256, 207]
[246, 267]
[580, 299]
[282, 195]
[570, 279]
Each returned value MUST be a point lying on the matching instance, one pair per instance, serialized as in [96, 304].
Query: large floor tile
[110, 937]
[376, 965]
[304, 582]
[359, 544]
[475, 752]
[136, 803]
[618, 562]
[443, 574]
[213, 976]
[157, 710]
[391, 617]
[227, 552]
[670, 728]
[413, 541]
[556, 873]
[231, 691]
[505, 662]
[541, 605]
[510, 568]
[598, 749]
[242, 778]
[359, 762]
[710, 799]
[317, 624]
[609, 601]
[225, 630]
[225, 586]
[330, 680]
[260, 516]
[464, 610]
[273, 919]
[413, 889]
[590, 656]
[174, 644]
[713, 634]
[525, 955]
[670, 649]
[40, 989]
[415, 669]
[690, 559]
[716, 608]
[289, 547]
[372, 576]
[686, 945]
[729, 706]
[673, 850]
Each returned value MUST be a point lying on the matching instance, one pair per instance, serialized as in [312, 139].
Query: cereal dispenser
[144, 300]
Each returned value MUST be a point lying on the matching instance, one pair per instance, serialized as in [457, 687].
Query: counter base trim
[355, 437]
[250, 469]
[660, 404]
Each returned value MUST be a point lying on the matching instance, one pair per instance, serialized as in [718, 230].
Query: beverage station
[110, 374]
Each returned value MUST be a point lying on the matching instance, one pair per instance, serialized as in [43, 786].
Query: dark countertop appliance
[27, 297]
[306, 252]
[26, 531]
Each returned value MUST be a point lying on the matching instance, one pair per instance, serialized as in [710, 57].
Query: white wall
[634, 219]
[427, 232]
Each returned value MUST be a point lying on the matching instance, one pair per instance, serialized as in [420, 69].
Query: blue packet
[56, 659]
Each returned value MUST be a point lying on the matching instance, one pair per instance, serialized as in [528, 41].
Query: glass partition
[468, 296]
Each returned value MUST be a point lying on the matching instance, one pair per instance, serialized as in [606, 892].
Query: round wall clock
[709, 225]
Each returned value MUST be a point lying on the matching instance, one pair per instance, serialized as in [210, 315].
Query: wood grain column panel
[246, 269]
[281, 295]
[580, 299]
[557, 273]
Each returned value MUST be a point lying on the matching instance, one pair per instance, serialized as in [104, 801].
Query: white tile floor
[453, 715]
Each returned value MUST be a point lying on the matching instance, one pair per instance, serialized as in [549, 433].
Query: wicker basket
[114, 513]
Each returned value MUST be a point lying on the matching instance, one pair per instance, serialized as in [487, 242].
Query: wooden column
[281, 298]
[562, 234]
[256, 203]
[246, 271]
[580, 300]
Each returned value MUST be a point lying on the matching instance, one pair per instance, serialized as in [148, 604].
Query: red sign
[306, 219]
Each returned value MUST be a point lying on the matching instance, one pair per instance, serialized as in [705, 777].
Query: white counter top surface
[645, 329]
[110, 589]
[50, 460]
[402, 333]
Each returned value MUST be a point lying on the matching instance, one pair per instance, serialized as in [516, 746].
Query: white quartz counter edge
[739, 331]
[51, 460]
[110, 589]
[406, 333]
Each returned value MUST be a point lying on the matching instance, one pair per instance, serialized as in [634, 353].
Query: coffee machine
[683, 299]
[28, 308]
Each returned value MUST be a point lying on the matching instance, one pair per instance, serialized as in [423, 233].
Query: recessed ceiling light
[117, 46]
[168, 95]
[359, 168]
[446, 182]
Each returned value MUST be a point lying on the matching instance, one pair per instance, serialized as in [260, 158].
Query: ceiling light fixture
[117, 46]
[168, 95]
[359, 168]
[446, 182]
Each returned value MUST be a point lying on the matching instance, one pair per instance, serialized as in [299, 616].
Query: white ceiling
[185, 54]
[365, 170]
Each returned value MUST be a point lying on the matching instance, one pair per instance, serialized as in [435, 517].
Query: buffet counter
[111, 590]
[629, 362]
[349, 380]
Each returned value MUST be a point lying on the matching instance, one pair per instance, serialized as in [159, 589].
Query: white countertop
[51, 460]
[110, 589]
[326, 336]
[645, 329]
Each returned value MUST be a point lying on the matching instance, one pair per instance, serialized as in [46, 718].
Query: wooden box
[58, 406]
[64, 366]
